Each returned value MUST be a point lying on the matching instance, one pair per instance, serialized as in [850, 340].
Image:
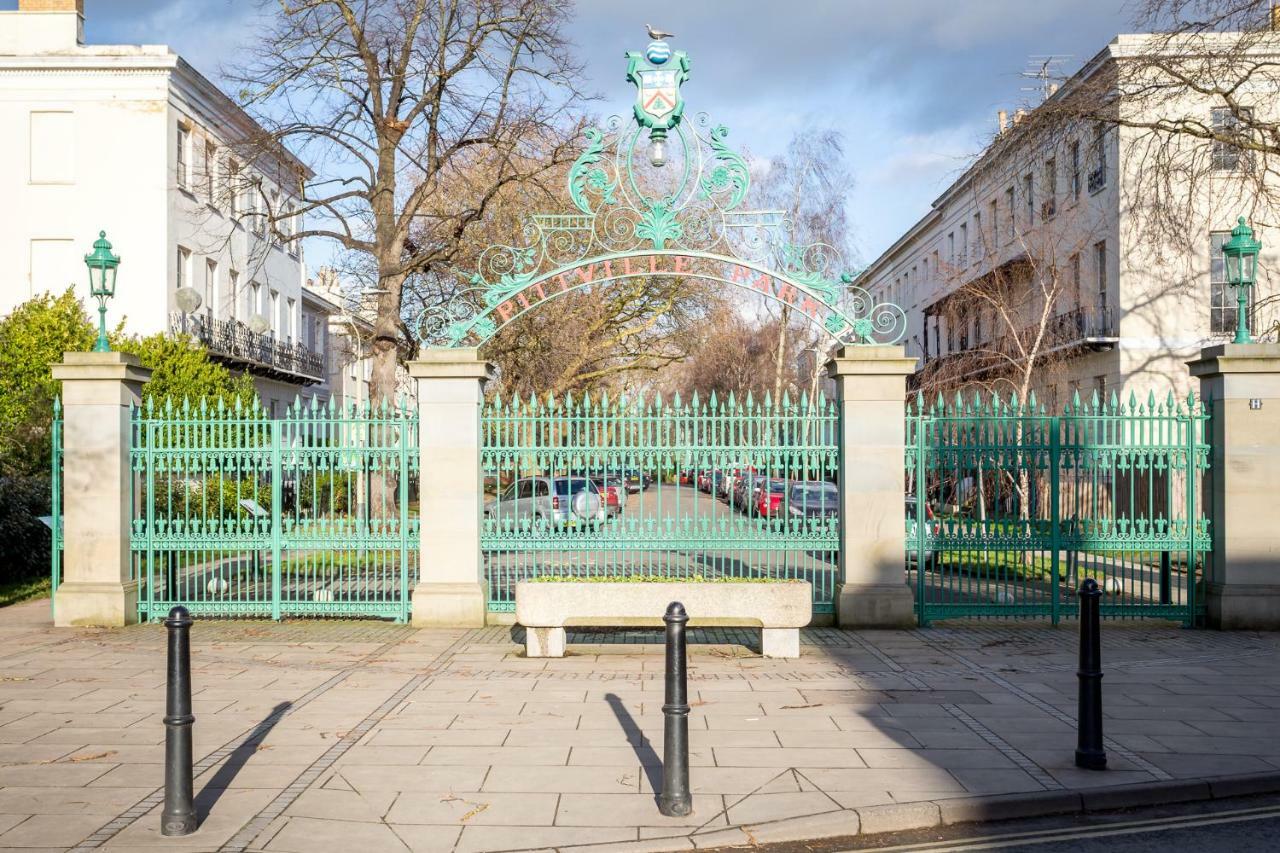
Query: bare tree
[809, 182]
[732, 354]
[415, 115]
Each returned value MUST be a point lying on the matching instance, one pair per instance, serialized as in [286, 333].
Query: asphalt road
[1242, 825]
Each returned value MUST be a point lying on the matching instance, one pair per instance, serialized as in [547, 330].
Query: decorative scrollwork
[627, 207]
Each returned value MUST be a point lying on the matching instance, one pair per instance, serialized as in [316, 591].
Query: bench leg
[780, 642]
[544, 642]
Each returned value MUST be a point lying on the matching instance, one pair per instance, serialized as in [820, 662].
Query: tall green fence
[1010, 507]
[683, 477]
[238, 514]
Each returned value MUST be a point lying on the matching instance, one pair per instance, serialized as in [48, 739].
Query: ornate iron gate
[1019, 506]
[713, 488]
[239, 514]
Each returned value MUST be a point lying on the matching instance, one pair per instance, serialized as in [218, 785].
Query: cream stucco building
[133, 140]
[1047, 225]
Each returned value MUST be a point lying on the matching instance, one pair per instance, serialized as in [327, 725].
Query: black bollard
[179, 815]
[1090, 753]
[675, 801]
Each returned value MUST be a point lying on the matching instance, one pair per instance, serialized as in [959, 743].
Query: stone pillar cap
[1236, 358]
[450, 363]
[120, 366]
[871, 359]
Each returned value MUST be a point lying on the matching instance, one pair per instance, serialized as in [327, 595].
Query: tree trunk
[384, 479]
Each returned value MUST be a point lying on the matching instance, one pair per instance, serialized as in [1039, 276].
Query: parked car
[612, 491]
[704, 479]
[724, 489]
[932, 529]
[767, 500]
[557, 502]
[812, 499]
[745, 491]
[636, 480]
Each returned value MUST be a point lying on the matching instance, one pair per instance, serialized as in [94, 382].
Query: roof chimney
[1275, 17]
[51, 6]
[1019, 115]
[1002, 118]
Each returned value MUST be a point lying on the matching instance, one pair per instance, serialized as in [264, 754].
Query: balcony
[232, 342]
[1082, 329]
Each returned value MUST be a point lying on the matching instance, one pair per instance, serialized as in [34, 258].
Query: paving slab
[383, 737]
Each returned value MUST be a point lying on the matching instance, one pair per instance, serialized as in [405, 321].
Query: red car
[769, 498]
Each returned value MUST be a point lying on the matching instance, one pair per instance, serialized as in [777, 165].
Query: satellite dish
[258, 324]
[189, 300]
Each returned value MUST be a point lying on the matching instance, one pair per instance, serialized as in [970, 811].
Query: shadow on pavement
[649, 760]
[235, 762]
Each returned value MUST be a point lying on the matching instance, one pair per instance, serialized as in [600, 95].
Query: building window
[1012, 229]
[1222, 296]
[288, 321]
[184, 145]
[210, 172]
[1073, 282]
[964, 242]
[233, 187]
[1100, 262]
[233, 291]
[951, 248]
[1050, 204]
[256, 210]
[273, 214]
[1029, 198]
[1075, 170]
[211, 287]
[1228, 156]
[1098, 174]
[182, 276]
[52, 148]
[253, 306]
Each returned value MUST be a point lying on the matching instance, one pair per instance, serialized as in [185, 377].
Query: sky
[913, 85]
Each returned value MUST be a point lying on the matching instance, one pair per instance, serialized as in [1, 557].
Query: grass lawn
[15, 592]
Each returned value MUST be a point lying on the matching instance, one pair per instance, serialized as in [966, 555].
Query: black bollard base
[179, 824]
[675, 806]
[1091, 759]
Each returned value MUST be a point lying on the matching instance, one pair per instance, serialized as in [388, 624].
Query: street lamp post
[1241, 256]
[102, 284]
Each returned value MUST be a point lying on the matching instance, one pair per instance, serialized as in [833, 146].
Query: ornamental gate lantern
[102, 284]
[1241, 256]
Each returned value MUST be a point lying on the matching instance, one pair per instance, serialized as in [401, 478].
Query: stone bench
[779, 609]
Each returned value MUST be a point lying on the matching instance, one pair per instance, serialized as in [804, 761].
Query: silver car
[549, 502]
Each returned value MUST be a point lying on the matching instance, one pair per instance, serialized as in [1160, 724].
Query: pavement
[365, 736]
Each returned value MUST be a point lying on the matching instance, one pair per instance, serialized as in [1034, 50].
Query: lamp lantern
[1241, 256]
[102, 284]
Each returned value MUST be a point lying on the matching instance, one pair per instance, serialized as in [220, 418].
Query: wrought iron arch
[692, 224]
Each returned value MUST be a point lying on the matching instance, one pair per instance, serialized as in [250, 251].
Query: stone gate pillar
[450, 590]
[98, 391]
[871, 386]
[1242, 384]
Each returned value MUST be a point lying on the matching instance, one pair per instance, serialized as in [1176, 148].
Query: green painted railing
[1021, 505]
[239, 514]
[55, 504]
[651, 453]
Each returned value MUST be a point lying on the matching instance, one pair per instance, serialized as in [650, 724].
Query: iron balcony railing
[1086, 327]
[231, 340]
